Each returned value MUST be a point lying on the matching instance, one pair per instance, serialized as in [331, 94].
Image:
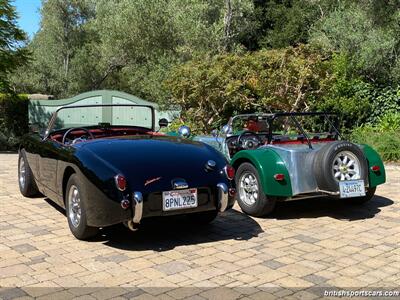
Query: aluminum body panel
[299, 162]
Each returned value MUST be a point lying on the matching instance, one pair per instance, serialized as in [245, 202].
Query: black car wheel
[75, 204]
[26, 182]
[250, 195]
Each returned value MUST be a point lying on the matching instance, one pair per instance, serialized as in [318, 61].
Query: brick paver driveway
[304, 245]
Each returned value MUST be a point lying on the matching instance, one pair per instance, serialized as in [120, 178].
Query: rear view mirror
[163, 123]
[34, 128]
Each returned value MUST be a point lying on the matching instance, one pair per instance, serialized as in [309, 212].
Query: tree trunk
[228, 25]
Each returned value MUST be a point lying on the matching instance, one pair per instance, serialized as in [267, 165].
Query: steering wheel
[91, 137]
[249, 144]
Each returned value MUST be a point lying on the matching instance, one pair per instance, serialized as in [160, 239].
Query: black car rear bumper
[103, 211]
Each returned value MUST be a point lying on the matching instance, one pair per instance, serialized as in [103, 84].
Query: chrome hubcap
[74, 206]
[22, 172]
[248, 188]
[346, 166]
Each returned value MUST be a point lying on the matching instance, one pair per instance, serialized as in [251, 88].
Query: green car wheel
[250, 195]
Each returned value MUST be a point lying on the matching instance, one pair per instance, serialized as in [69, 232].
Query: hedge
[13, 120]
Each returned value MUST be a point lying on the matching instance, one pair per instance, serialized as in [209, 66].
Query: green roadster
[288, 156]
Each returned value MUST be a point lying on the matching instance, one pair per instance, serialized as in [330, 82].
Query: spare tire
[338, 161]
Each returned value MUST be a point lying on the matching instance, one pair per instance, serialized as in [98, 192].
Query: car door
[31, 145]
[48, 159]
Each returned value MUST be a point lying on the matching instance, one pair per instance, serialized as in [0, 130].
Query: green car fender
[268, 163]
[373, 159]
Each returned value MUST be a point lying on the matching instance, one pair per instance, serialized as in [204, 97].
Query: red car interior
[302, 141]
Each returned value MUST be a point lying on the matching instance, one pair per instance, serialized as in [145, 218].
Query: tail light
[230, 172]
[120, 182]
[279, 177]
[375, 168]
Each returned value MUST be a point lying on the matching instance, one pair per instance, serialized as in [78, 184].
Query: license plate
[179, 199]
[351, 188]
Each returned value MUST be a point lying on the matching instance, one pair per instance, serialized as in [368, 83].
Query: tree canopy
[211, 53]
[12, 38]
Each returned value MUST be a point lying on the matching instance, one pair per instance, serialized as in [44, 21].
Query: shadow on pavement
[162, 234]
[166, 233]
[325, 207]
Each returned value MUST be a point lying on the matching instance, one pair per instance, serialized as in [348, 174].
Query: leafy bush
[390, 121]
[13, 120]
[356, 101]
[348, 97]
[210, 90]
[384, 136]
[385, 100]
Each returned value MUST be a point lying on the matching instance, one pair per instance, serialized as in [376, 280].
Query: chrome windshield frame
[54, 115]
[270, 117]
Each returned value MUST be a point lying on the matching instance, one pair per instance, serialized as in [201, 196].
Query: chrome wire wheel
[346, 166]
[22, 173]
[248, 188]
[74, 206]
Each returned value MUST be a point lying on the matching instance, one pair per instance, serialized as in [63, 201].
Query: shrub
[390, 121]
[210, 90]
[13, 120]
[385, 100]
[348, 97]
[383, 137]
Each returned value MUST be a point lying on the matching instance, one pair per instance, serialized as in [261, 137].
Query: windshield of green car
[294, 124]
[252, 122]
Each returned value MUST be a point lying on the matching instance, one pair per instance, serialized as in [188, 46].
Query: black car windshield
[98, 115]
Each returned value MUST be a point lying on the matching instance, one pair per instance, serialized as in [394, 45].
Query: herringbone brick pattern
[303, 245]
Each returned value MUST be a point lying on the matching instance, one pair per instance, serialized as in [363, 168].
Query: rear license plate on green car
[179, 199]
[351, 188]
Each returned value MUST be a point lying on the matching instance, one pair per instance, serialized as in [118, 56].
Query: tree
[123, 44]
[142, 40]
[62, 35]
[283, 23]
[367, 32]
[211, 89]
[12, 39]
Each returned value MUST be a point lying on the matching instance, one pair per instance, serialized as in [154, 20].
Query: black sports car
[106, 164]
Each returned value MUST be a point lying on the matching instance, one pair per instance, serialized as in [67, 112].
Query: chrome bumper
[138, 209]
[222, 196]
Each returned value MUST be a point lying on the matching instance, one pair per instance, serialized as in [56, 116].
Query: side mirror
[184, 131]
[215, 133]
[163, 123]
[227, 129]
